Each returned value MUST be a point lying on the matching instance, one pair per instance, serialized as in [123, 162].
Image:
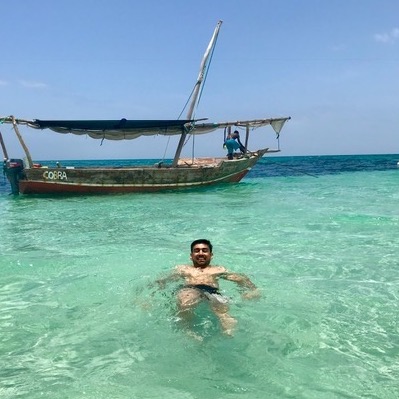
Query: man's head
[201, 253]
[201, 241]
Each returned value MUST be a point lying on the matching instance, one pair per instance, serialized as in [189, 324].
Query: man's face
[201, 255]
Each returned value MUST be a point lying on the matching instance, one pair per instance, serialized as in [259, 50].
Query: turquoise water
[318, 235]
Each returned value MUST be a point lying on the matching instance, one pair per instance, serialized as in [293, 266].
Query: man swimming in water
[201, 283]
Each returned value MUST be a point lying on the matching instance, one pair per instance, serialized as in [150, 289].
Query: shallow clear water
[318, 235]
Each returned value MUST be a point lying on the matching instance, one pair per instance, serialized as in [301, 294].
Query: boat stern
[13, 169]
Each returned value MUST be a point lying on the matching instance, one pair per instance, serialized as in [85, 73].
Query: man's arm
[173, 276]
[243, 281]
[161, 283]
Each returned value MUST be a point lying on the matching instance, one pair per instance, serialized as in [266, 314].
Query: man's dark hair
[201, 241]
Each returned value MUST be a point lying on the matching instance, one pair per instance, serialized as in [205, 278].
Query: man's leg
[187, 299]
[227, 322]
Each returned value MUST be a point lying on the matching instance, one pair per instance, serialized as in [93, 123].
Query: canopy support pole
[246, 137]
[3, 146]
[21, 140]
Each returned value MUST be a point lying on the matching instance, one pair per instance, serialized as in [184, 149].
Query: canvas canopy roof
[124, 129]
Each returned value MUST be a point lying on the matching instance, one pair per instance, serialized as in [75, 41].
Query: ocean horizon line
[170, 159]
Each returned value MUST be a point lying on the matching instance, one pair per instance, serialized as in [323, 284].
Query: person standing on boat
[233, 143]
[201, 284]
[236, 136]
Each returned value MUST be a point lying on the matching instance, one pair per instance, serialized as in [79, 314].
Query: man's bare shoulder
[218, 269]
[181, 268]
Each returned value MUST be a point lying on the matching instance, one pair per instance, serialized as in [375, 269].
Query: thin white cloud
[339, 47]
[387, 37]
[32, 85]
[3, 83]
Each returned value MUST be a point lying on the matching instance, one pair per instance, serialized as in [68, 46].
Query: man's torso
[195, 275]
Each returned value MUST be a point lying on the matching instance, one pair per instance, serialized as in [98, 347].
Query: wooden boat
[26, 177]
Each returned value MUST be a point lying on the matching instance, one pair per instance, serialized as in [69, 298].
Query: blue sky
[333, 66]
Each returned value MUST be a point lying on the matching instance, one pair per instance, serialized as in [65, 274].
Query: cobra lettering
[55, 175]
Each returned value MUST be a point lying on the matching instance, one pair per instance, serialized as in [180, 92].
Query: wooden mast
[196, 90]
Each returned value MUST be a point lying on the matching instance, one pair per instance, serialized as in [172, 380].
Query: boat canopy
[125, 129]
[122, 129]
[276, 123]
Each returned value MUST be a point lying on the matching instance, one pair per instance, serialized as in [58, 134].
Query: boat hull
[45, 180]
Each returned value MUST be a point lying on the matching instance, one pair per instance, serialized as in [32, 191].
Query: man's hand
[253, 294]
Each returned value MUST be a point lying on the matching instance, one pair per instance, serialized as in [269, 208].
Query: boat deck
[211, 162]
